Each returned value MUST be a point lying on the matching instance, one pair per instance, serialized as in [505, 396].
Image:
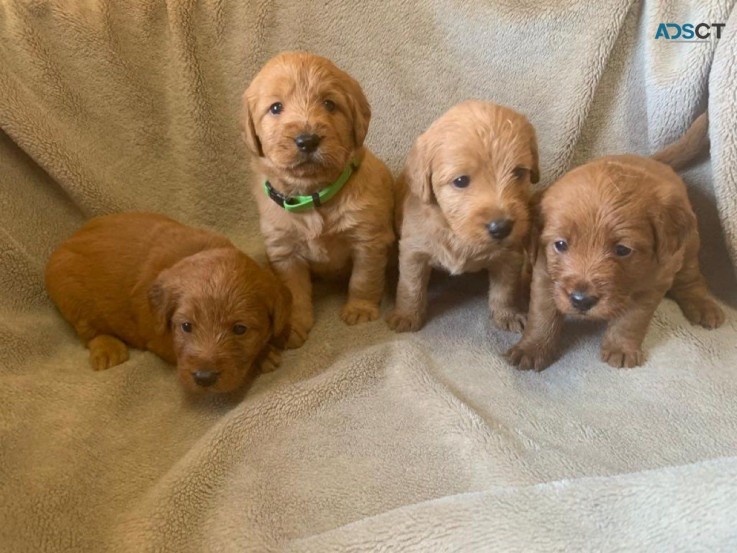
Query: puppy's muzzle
[499, 229]
[582, 301]
[205, 378]
[307, 143]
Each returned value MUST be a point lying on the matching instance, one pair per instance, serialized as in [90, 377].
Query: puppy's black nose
[500, 228]
[205, 378]
[307, 143]
[581, 301]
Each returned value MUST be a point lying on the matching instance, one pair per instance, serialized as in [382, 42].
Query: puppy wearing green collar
[326, 203]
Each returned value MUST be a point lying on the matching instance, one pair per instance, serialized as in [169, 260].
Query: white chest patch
[461, 260]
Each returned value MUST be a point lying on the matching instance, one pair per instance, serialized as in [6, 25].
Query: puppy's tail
[693, 144]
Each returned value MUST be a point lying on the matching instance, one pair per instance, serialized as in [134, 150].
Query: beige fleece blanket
[363, 440]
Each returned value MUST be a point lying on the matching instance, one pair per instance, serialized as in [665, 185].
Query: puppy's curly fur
[472, 168]
[296, 94]
[146, 281]
[618, 233]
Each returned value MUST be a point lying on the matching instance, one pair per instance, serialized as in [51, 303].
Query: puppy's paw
[529, 356]
[703, 311]
[509, 320]
[621, 357]
[106, 351]
[297, 337]
[359, 311]
[403, 322]
[269, 360]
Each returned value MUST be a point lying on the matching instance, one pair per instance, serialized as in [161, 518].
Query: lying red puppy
[143, 280]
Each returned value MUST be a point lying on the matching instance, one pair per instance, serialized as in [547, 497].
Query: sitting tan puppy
[617, 234]
[466, 209]
[325, 202]
[188, 295]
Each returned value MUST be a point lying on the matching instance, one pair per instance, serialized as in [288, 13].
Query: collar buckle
[274, 195]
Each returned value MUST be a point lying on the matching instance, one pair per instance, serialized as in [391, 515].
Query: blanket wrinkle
[478, 529]
[723, 132]
[363, 440]
[491, 428]
[592, 78]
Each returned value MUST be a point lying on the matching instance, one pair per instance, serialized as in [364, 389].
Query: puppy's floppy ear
[248, 128]
[280, 308]
[672, 222]
[536, 225]
[535, 169]
[417, 171]
[359, 107]
[163, 296]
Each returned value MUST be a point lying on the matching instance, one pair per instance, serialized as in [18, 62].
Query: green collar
[296, 204]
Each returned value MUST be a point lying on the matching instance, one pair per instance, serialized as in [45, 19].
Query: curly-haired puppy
[617, 234]
[305, 123]
[188, 295]
[467, 182]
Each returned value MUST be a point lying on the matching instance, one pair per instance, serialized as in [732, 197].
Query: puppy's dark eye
[329, 105]
[622, 251]
[462, 182]
[276, 108]
[187, 327]
[561, 246]
[520, 172]
[239, 329]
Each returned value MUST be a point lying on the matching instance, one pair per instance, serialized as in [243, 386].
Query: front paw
[703, 311]
[299, 327]
[529, 356]
[269, 360]
[359, 311]
[297, 337]
[404, 322]
[620, 357]
[509, 320]
[106, 351]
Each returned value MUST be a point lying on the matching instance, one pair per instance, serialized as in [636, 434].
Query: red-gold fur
[133, 279]
[445, 226]
[600, 211]
[350, 233]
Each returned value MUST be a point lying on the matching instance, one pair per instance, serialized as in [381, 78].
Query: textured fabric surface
[363, 440]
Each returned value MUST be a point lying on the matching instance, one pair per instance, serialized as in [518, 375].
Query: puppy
[467, 184]
[188, 295]
[617, 234]
[325, 201]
